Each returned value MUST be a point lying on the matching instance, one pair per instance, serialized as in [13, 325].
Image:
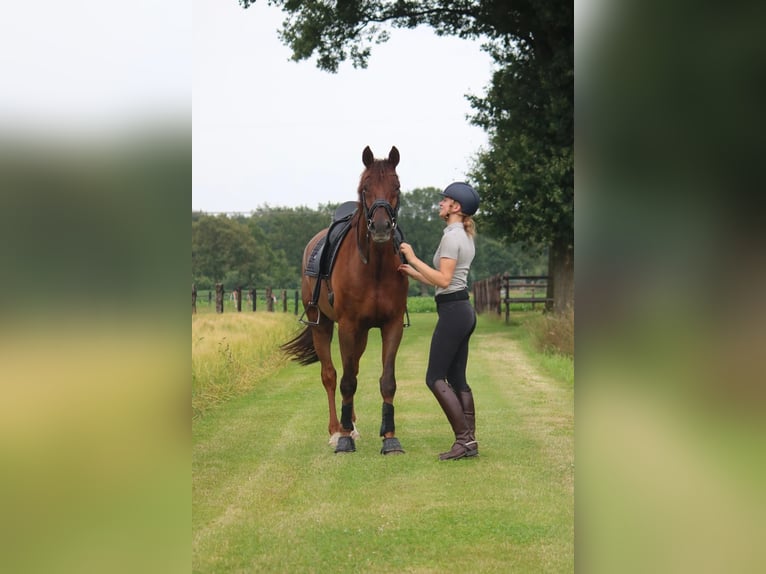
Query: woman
[448, 356]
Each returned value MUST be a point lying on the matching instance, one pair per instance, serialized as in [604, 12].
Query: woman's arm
[409, 270]
[425, 273]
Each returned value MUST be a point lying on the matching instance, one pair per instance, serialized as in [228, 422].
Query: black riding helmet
[465, 195]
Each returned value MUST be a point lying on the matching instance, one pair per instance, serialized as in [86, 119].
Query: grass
[543, 338]
[232, 353]
[269, 495]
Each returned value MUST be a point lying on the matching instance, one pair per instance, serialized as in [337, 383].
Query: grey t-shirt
[455, 244]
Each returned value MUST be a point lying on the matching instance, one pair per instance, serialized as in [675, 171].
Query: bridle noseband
[393, 213]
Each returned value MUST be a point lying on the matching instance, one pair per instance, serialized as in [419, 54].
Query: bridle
[393, 212]
[369, 213]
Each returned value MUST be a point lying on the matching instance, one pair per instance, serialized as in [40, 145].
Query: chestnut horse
[364, 290]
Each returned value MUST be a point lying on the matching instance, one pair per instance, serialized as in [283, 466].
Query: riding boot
[466, 399]
[464, 444]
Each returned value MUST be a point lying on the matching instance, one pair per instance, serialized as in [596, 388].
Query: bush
[421, 305]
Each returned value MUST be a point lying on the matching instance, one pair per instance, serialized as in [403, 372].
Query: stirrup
[307, 322]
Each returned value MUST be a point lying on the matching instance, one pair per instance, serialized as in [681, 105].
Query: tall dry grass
[554, 333]
[233, 352]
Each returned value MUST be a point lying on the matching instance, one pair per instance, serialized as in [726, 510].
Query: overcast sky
[93, 66]
[269, 130]
[265, 129]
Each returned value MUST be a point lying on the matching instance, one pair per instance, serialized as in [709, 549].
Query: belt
[454, 296]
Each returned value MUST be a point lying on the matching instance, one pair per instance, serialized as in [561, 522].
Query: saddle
[322, 259]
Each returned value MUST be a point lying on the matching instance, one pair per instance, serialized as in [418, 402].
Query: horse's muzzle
[380, 232]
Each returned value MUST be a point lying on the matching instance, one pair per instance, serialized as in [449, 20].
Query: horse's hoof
[391, 446]
[345, 444]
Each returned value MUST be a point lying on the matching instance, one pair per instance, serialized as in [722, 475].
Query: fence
[273, 299]
[491, 293]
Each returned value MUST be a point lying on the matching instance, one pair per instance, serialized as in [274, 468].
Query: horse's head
[379, 194]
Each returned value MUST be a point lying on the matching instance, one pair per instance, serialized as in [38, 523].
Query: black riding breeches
[449, 344]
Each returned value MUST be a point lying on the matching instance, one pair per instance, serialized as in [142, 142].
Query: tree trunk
[561, 273]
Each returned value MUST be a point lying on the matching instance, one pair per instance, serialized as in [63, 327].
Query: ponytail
[469, 225]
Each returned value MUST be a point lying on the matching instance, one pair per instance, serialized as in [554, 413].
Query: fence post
[194, 300]
[269, 300]
[251, 294]
[219, 297]
[284, 300]
[238, 291]
[296, 302]
[507, 285]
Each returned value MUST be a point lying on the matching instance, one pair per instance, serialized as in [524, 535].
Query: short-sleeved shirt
[455, 244]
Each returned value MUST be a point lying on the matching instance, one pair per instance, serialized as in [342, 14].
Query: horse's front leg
[392, 337]
[322, 337]
[353, 342]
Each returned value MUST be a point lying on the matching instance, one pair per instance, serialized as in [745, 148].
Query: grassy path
[269, 495]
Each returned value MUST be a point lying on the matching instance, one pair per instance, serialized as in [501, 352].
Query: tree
[526, 177]
[223, 248]
[288, 230]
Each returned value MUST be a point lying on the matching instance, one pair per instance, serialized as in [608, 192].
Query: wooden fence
[492, 293]
[273, 299]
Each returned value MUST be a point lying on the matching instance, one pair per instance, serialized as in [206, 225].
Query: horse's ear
[367, 157]
[393, 156]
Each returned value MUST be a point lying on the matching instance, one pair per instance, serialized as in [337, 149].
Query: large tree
[526, 176]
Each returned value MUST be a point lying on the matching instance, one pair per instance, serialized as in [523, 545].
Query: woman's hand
[405, 269]
[406, 250]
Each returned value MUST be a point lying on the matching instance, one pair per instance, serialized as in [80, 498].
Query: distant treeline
[266, 247]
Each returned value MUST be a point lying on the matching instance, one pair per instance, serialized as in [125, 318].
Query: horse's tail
[301, 348]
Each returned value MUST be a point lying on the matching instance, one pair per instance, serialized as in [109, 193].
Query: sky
[89, 66]
[267, 130]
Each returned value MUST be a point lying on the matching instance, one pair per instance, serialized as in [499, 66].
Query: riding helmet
[463, 194]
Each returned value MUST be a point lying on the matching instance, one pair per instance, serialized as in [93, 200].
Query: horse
[363, 290]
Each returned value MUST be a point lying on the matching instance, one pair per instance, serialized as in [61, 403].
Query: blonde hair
[469, 225]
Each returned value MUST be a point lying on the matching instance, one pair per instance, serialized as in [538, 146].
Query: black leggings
[449, 344]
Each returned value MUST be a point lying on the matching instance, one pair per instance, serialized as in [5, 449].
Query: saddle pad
[322, 257]
[313, 264]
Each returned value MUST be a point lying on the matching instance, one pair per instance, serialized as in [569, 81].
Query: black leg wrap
[345, 416]
[388, 419]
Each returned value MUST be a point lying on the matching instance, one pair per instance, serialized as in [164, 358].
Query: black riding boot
[464, 445]
[466, 399]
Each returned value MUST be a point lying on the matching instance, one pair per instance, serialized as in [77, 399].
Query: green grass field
[269, 494]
